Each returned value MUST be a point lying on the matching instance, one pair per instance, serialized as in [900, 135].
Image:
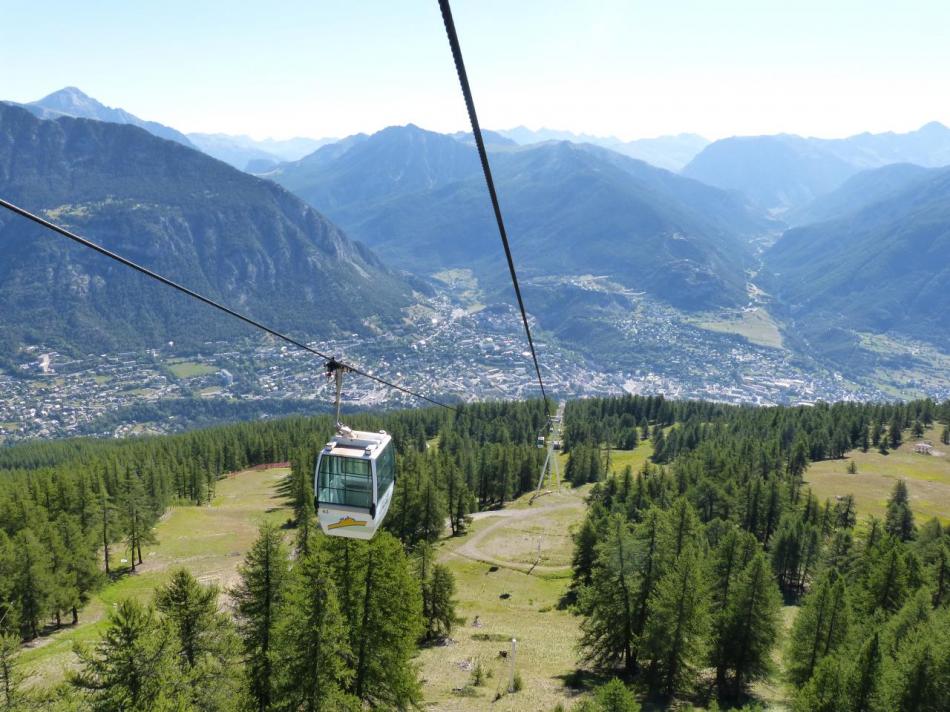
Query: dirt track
[471, 548]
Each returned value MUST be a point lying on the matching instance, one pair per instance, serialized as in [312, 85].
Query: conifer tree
[887, 580]
[82, 570]
[826, 690]
[863, 682]
[388, 623]
[821, 626]
[610, 697]
[10, 674]
[34, 586]
[258, 598]
[675, 635]
[131, 667]
[108, 522]
[751, 625]
[438, 589]
[899, 521]
[913, 682]
[136, 517]
[311, 647]
[894, 435]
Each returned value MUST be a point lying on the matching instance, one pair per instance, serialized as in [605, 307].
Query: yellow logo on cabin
[347, 522]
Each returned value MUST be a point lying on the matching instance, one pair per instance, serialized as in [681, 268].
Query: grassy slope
[210, 541]
[928, 479]
[547, 637]
[757, 326]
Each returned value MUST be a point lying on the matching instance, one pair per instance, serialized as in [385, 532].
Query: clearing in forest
[927, 476]
[210, 541]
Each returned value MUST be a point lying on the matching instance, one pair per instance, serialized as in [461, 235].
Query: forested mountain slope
[419, 199]
[234, 237]
[859, 191]
[882, 268]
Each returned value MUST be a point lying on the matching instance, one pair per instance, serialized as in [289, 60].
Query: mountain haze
[859, 191]
[786, 171]
[669, 152]
[241, 151]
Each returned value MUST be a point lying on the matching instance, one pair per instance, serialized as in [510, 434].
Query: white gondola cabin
[353, 482]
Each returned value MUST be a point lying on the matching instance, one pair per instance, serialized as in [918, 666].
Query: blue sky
[631, 69]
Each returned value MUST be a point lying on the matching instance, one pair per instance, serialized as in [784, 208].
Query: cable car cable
[486, 168]
[210, 302]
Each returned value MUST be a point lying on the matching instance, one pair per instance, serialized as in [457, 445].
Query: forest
[681, 570]
[348, 614]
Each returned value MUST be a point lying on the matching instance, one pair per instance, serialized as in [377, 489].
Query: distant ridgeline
[683, 566]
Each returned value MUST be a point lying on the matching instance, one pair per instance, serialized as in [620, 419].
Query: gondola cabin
[353, 482]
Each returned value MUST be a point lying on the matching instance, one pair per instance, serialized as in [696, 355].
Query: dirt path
[471, 547]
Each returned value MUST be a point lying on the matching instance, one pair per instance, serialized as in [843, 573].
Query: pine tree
[387, 625]
[257, 599]
[751, 625]
[820, 627]
[131, 667]
[675, 636]
[311, 647]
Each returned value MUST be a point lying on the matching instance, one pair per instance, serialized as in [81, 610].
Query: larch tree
[34, 586]
[388, 623]
[675, 638]
[899, 521]
[10, 674]
[820, 627]
[131, 667]
[311, 646]
[257, 600]
[751, 625]
[609, 604]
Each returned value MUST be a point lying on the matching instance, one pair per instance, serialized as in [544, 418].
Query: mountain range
[70, 101]
[418, 198]
[858, 227]
[879, 266]
[232, 236]
[785, 171]
[255, 156]
[669, 152]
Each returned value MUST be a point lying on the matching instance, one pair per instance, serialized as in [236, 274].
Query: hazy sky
[632, 69]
